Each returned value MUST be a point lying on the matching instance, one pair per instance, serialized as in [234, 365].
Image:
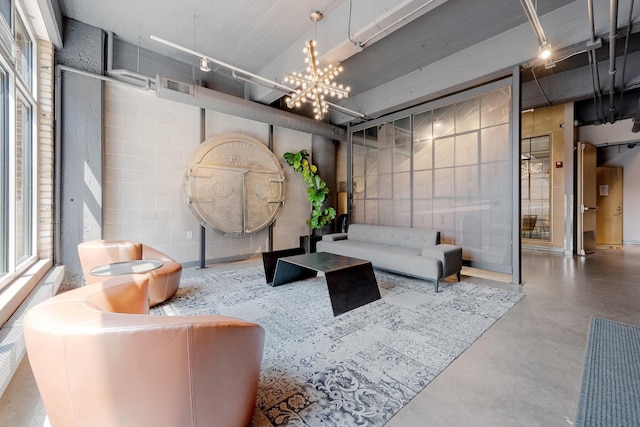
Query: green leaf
[317, 189]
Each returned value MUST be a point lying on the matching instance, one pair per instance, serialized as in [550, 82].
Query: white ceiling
[266, 37]
[245, 33]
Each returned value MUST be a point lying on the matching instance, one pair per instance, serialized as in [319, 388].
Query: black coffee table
[350, 281]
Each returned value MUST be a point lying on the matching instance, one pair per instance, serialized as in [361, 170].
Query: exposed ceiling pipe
[624, 55]
[261, 79]
[613, 33]
[201, 97]
[593, 64]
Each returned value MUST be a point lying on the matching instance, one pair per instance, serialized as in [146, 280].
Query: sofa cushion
[402, 260]
[394, 236]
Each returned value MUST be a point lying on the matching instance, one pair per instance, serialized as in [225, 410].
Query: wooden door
[609, 219]
[587, 198]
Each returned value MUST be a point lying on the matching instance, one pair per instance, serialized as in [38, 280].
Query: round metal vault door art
[234, 184]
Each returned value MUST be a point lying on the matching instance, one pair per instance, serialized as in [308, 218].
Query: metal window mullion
[4, 171]
[11, 173]
[27, 180]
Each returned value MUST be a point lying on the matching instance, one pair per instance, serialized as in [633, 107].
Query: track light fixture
[532, 16]
[545, 51]
[204, 65]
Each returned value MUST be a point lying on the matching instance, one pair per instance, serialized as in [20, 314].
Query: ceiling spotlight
[545, 51]
[204, 65]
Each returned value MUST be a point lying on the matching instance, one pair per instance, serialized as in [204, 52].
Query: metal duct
[190, 94]
[613, 33]
[125, 75]
[636, 120]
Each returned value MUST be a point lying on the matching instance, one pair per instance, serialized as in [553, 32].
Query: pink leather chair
[99, 360]
[163, 282]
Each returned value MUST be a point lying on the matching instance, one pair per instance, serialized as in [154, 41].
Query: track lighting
[532, 16]
[545, 51]
[204, 65]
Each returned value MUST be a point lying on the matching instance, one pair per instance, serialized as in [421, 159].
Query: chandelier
[317, 83]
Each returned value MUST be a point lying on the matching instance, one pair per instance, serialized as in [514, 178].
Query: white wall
[148, 142]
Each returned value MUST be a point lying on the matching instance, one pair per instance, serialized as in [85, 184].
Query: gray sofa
[411, 251]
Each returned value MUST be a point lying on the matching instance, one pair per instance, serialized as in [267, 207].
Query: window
[24, 54]
[535, 187]
[23, 181]
[6, 23]
[5, 11]
[17, 157]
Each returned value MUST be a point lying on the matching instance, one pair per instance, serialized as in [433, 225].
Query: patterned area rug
[357, 369]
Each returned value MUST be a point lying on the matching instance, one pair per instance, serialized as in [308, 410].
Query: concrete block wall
[148, 142]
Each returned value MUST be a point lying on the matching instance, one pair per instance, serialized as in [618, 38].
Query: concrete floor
[524, 371]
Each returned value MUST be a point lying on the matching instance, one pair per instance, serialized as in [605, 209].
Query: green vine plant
[316, 188]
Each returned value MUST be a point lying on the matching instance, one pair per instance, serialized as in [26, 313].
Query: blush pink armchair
[99, 360]
[163, 282]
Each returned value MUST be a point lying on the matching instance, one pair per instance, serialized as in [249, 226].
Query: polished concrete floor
[524, 371]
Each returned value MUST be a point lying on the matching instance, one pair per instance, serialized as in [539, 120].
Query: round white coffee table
[126, 267]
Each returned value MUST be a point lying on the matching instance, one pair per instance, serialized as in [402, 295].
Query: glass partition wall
[535, 187]
[444, 166]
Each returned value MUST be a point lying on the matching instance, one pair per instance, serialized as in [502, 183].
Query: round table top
[126, 267]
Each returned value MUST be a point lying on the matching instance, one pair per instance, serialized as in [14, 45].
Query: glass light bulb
[545, 51]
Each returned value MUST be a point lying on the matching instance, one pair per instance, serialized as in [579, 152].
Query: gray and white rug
[357, 369]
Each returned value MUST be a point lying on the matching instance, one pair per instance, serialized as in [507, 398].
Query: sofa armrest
[449, 255]
[334, 236]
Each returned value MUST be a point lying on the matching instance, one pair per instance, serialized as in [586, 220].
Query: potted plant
[316, 188]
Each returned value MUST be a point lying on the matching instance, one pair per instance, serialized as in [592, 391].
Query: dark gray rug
[610, 393]
[357, 369]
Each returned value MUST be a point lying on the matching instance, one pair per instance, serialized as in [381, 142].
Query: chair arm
[449, 255]
[165, 280]
[100, 252]
[334, 236]
[103, 369]
[149, 252]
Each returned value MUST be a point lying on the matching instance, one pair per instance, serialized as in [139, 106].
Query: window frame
[15, 87]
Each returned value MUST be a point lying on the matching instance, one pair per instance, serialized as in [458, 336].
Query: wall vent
[178, 86]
